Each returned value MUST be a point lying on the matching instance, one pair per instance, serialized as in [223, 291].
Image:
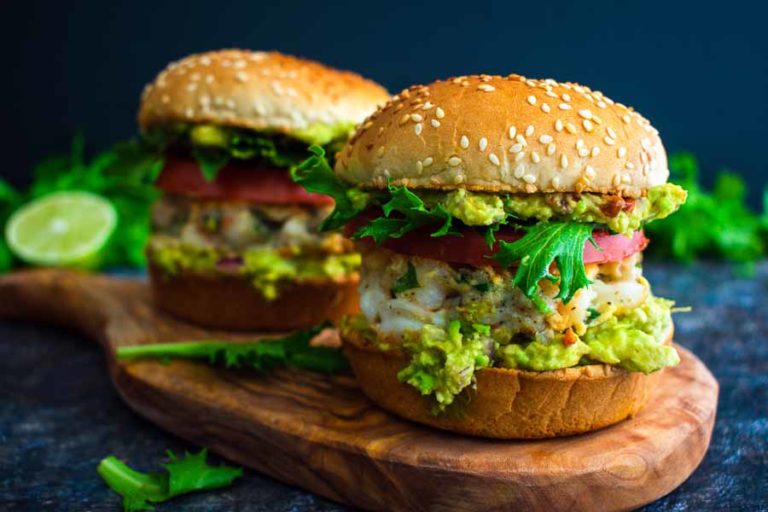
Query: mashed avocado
[443, 361]
[266, 268]
[210, 135]
[480, 209]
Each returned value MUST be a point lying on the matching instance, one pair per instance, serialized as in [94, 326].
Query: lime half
[61, 229]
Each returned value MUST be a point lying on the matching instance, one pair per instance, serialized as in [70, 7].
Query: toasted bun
[506, 134]
[257, 90]
[232, 303]
[508, 404]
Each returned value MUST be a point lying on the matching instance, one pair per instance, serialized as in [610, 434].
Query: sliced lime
[61, 229]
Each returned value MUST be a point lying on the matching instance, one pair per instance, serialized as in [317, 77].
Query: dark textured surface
[59, 414]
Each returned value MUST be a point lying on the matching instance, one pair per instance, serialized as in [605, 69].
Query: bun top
[505, 134]
[259, 91]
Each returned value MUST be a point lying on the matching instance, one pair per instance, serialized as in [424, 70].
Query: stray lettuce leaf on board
[183, 475]
[263, 356]
[716, 224]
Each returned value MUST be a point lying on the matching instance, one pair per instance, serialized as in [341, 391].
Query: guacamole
[444, 360]
[266, 268]
[481, 209]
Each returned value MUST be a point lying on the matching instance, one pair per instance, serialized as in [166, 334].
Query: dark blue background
[698, 70]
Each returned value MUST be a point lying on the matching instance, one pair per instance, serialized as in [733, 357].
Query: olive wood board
[320, 433]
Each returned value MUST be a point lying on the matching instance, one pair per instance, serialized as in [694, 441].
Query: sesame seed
[512, 132]
[601, 104]
[545, 108]
[621, 152]
[611, 132]
[551, 94]
[454, 161]
[551, 148]
[563, 161]
[595, 151]
[566, 97]
[439, 113]
[626, 118]
[583, 152]
[191, 87]
[380, 151]
[529, 178]
[579, 143]
[520, 139]
[189, 112]
[529, 130]
[626, 178]
[616, 180]
[427, 105]
[428, 161]
[417, 118]
[586, 114]
[240, 64]
[608, 140]
[589, 172]
[464, 142]
[532, 99]
[588, 125]
[482, 143]
[645, 143]
[629, 165]
[230, 103]
[516, 148]
[435, 123]
[486, 87]
[530, 83]
[545, 139]
[519, 156]
[494, 159]
[404, 119]
[418, 128]
[564, 106]
[535, 157]
[241, 76]
[558, 126]
[570, 128]
[519, 171]
[419, 166]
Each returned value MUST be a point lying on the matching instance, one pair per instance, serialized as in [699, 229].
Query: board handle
[67, 298]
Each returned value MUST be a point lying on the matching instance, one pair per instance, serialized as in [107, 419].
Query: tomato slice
[471, 249]
[236, 182]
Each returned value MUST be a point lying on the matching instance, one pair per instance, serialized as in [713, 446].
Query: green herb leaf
[543, 244]
[407, 281]
[263, 356]
[184, 475]
[211, 161]
[711, 224]
[412, 214]
[315, 175]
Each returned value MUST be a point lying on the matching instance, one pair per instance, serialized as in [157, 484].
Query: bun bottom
[231, 302]
[506, 403]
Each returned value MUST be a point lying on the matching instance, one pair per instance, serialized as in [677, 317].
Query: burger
[234, 242]
[500, 225]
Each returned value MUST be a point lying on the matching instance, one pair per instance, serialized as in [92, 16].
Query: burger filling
[231, 208]
[460, 280]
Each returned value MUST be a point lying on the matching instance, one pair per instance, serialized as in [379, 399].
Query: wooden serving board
[320, 432]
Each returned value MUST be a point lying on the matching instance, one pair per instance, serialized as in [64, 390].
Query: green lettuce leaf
[316, 175]
[543, 244]
[183, 475]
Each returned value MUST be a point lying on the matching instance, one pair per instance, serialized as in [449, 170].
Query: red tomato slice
[471, 249]
[235, 182]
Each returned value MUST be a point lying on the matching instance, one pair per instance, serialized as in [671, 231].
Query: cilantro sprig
[263, 356]
[183, 475]
[716, 224]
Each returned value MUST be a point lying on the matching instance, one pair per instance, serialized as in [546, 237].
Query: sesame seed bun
[257, 90]
[506, 134]
[232, 302]
[505, 403]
